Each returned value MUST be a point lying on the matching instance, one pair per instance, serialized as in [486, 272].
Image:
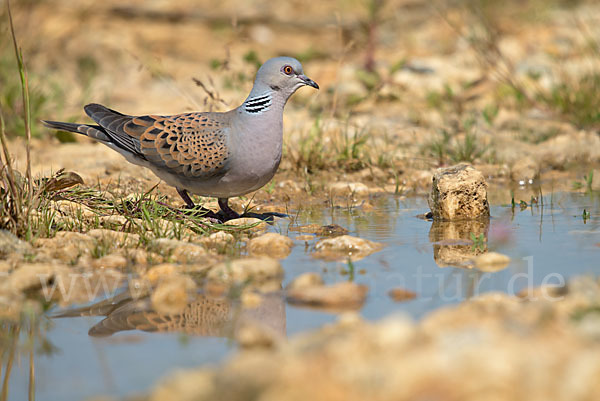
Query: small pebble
[401, 294]
[344, 295]
[491, 262]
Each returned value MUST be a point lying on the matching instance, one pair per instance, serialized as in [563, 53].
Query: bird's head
[283, 75]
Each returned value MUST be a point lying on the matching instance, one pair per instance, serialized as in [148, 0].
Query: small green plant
[440, 148]
[18, 197]
[537, 136]
[311, 153]
[586, 216]
[102, 247]
[270, 187]
[338, 146]
[311, 53]
[438, 100]
[478, 241]
[583, 312]
[350, 270]
[397, 183]
[251, 57]
[235, 75]
[468, 150]
[351, 154]
[308, 184]
[450, 147]
[489, 114]
[588, 179]
[576, 99]
[369, 79]
[21, 338]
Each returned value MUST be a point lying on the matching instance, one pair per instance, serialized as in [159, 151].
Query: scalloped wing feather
[191, 144]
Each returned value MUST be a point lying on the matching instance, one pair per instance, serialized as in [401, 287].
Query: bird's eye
[288, 70]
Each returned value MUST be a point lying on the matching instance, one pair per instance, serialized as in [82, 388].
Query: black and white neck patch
[258, 104]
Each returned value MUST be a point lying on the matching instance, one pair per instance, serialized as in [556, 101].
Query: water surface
[548, 242]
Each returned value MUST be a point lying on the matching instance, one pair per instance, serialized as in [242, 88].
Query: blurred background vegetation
[448, 69]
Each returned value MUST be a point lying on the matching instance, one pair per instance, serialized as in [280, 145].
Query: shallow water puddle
[130, 347]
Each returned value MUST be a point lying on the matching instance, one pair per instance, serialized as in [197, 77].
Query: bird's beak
[308, 81]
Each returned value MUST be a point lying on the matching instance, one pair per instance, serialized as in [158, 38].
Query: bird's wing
[191, 144]
[205, 316]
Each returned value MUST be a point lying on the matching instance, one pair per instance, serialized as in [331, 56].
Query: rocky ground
[407, 86]
[494, 347]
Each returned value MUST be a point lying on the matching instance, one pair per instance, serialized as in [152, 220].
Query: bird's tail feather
[62, 126]
[93, 131]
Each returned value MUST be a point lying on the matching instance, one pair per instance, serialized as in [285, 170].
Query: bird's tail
[62, 126]
[93, 131]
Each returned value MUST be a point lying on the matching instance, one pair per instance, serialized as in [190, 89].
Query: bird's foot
[200, 211]
[224, 216]
[226, 212]
[267, 217]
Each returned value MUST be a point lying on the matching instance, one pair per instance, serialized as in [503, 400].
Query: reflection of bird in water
[204, 316]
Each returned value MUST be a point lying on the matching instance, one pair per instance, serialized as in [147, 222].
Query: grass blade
[25, 94]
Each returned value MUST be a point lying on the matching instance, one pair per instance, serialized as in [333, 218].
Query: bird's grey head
[283, 75]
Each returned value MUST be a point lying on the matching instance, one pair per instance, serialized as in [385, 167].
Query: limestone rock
[182, 386]
[249, 224]
[250, 299]
[401, 294]
[247, 269]
[330, 230]
[307, 228]
[115, 220]
[354, 189]
[306, 280]
[582, 147]
[458, 193]
[66, 246]
[158, 272]
[116, 238]
[271, 244]
[112, 261]
[138, 257]
[525, 170]
[30, 276]
[10, 244]
[345, 247]
[178, 251]
[74, 209]
[255, 335]
[172, 294]
[491, 262]
[218, 241]
[5, 266]
[290, 187]
[413, 180]
[304, 238]
[596, 179]
[452, 244]
[344, 295]
[510, 348]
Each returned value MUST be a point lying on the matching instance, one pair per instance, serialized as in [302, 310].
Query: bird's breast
[257, 153]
